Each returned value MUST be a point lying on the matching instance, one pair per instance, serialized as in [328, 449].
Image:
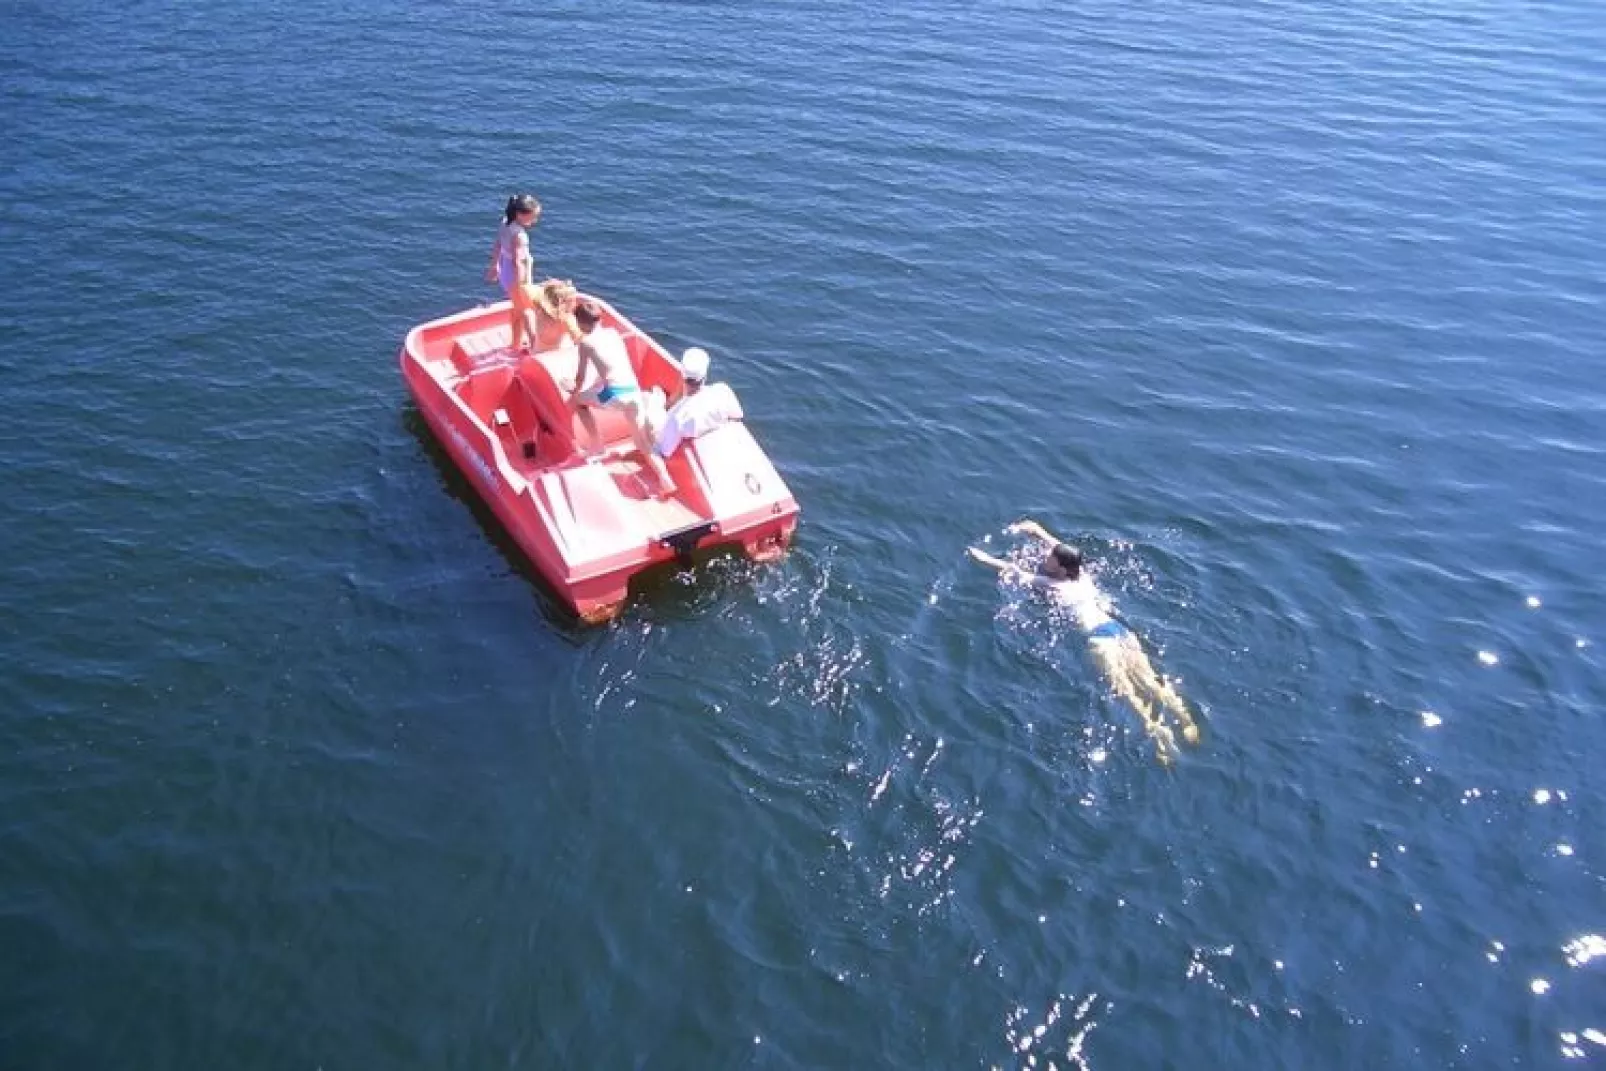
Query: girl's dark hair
[518, 205]
[1069, 558]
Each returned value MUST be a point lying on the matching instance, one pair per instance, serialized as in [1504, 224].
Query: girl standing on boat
[512, 266]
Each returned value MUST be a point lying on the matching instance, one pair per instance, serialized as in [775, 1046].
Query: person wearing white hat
[705, 406]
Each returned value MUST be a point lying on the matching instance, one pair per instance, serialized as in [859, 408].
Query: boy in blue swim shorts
[603, 349]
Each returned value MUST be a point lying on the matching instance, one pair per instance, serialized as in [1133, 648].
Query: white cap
[694, 362]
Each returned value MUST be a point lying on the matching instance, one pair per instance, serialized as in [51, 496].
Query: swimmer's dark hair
[519, 204]
[586, 314]
[1069, 559]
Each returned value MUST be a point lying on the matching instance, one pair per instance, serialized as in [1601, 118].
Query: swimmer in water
[1126, 665]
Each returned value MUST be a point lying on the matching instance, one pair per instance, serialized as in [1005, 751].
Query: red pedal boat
[588, 524]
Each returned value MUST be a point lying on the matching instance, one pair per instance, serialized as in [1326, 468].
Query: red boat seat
[483, 390]
[651, 370]
[468, 351]
[525, 432]
[547, 409]
[638, 349]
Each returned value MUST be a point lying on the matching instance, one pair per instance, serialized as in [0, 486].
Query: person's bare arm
[563, 300]
[523, 259]
[1010, 570]
[582, 357]
[1032, 528]
[988, 560]
[496, 255]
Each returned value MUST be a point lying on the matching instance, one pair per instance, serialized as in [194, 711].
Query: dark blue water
[1290, 314]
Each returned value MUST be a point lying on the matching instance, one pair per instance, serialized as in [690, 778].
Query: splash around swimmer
[1119, 652]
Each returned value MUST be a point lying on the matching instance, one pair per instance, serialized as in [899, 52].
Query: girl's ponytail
[518, 205]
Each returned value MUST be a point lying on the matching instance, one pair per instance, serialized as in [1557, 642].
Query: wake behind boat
[589, 524]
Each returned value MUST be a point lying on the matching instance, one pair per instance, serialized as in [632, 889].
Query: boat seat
[470, 351]
[651, 370]
[546, 405]
[483, 391]
[613, 426]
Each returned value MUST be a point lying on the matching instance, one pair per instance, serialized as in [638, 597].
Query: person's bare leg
[643, 438]
[1165, 742]
[589, 422]
[1117, 668]
[516, 323]
[1172, 699]
[1166, 696]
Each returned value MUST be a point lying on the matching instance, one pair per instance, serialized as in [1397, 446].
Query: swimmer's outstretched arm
[996, 563]
[1032, 528]
[1010, 570]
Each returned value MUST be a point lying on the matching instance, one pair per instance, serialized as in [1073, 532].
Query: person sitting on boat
[704, 407]
[554, 314]
[603, 349]
[1120, 654]
[512, 265]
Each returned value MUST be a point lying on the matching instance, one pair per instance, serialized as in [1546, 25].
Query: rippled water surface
[1291, 314]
